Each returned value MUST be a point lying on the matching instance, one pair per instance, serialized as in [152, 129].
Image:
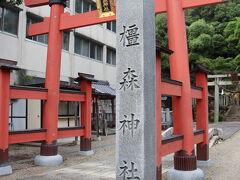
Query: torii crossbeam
[90, 18]
[185, 159]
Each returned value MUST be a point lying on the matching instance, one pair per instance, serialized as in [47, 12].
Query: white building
[88, 50]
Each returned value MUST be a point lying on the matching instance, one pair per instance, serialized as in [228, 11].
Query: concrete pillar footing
[48, 160]
[86, 153]
[204, 163]
[5, 169]
[174, 174]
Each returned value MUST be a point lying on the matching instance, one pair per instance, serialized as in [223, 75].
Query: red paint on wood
[179, 69]
[86, 108]
[70, 133]
[171, 89]
[161, 6]
[197, 94]
[53, 67]
[72, 97]
[26, 137]
[202, 105]
[27, 94]
[198, 138]
[171, 147]
[4, 107]
[158, 109]
[39, 28]
[83, 19]
[92, 18]
[198, 3]
[35, 3]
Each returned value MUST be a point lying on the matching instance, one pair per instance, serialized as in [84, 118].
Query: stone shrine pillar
[135, 102]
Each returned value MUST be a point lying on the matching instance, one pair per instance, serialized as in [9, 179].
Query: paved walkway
[84, 171]
[225, 158]
[229, 128]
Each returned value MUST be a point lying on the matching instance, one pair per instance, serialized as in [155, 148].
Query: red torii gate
[185, 138]
[179, 70]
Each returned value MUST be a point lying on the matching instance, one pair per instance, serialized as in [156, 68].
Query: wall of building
[31, 55]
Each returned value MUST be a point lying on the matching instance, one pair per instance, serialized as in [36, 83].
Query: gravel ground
[21, 157]
[225, 160]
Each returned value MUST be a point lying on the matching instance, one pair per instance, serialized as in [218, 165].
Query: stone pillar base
[49, 149]
[48, 160]
[85, 144]
[204, 163]
[174, 174]
[184, 161]
[86, 153]
[202, 152]
[5, 169]
[48, 155]
[85, 147]
[159, 173]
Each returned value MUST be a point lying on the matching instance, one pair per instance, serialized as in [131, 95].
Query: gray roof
[8, 66]
[103, 87]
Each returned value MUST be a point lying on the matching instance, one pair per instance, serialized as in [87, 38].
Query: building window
[112, 26]
[68, 4]
[93, 6]
[9, 20]
[111, 56]
[82, 6]
[66, 108]
[88, 48]
[32, 19]
[65, 40]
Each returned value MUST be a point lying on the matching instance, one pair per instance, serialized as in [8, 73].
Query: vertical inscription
[135, 102]
[129, 124]
[130, 34]
[129, 80]
[129, 172]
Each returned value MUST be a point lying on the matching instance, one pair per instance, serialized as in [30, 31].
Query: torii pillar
[49, 150]
[185, 161]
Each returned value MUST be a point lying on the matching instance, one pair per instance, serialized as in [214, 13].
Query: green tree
[162, 38]
[11, 2]
[213, 34]
[232, 34]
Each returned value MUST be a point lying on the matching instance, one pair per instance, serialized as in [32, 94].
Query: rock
[168, 132]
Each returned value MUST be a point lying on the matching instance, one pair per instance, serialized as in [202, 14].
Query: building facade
[89, 50]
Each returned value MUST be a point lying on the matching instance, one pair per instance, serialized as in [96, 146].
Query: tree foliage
[213, 35]
[11, 2]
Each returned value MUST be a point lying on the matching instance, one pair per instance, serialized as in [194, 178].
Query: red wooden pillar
[158, 115]
[202, 116]
[4, 114]
[86, 107]
[185, 159]
[52, 83]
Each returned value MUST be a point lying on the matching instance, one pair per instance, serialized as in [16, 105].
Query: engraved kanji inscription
[131, 35]
[129, 172]
[129, 80]
[129, 123]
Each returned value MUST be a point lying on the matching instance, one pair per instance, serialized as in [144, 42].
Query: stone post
[216, 101]
[135, 103]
